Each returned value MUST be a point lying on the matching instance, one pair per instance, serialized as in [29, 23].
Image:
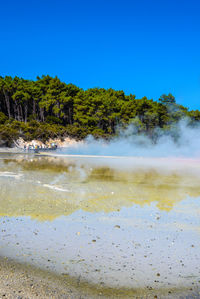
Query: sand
[20, 281]
[24, 281]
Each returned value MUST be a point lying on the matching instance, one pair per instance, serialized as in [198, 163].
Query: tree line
[48, 107]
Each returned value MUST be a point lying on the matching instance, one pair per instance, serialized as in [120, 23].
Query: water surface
[113, 222]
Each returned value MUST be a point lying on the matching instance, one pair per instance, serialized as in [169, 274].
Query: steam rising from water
[119, 221]
[182, 140]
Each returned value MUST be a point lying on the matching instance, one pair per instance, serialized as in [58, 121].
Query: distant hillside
[48, 108]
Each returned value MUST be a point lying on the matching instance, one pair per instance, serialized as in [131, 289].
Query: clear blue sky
[145, 47]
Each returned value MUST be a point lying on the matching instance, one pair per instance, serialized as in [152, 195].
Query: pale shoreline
[24, 281]
[18, 281]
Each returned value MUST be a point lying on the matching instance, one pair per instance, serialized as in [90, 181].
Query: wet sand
[20, 281]
[24, 281]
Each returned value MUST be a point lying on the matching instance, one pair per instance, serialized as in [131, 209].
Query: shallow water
[114, 222]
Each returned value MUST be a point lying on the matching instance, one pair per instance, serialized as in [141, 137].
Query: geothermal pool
[114, 222]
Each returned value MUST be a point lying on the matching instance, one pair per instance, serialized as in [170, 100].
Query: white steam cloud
[181, 140]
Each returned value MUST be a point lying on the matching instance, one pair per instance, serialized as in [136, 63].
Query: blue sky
[146, 48]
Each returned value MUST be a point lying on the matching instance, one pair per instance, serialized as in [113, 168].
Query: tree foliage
[48, 107]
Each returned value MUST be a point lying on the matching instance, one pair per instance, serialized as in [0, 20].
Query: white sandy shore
[66, 142]
[23, 281]
[18, 281]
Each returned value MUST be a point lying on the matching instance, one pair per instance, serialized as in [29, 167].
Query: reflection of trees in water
[99, 189]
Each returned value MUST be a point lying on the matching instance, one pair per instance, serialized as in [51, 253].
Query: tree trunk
[21, 112]
[18, 112]
[7, 102]
[42, 114]
[70, 115]
[58, 105]
[15, 110]
[25, 112]
[34, 108]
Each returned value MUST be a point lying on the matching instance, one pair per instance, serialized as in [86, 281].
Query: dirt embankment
[66, 142]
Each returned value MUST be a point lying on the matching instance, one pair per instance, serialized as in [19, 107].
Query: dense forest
[47, 108]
